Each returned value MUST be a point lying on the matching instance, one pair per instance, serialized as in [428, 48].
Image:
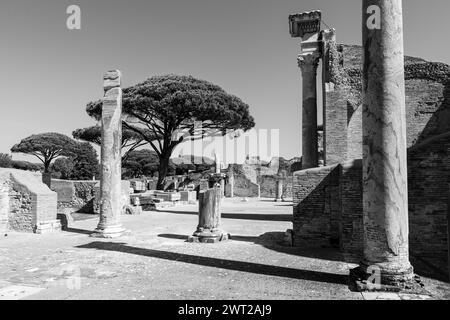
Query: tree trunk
[162, 171]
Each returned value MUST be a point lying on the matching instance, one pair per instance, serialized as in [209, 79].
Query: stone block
[188, 196]
[138, 186]
[168, 196]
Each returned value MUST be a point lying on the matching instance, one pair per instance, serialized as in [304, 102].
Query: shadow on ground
[243, 216]
[250, 267]
[275, 241]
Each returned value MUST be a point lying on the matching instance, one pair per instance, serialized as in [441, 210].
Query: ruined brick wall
[429, 198]
[316, 206]
[351, 217]
[427, 99]
[334, 101]
[428, 179]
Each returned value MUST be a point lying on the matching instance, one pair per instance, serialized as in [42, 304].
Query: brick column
[385, 189]
[111, 181]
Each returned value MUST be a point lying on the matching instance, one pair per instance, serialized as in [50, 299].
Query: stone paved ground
[155, 261]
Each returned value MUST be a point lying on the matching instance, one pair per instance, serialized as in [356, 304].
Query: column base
[278, 200]
[109, 232]
[208, 236]
[406, 282]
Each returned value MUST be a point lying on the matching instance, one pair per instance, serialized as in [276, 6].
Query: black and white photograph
[225, 156]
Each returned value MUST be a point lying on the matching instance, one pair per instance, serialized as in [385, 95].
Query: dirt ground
[155, 262]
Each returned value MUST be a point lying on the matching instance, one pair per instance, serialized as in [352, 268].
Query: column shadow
[250, 267]
[275, 241]
[242, 216]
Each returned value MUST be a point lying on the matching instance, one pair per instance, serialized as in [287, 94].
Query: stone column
[231, 182]
[308, 64]
[175, 183]
[307, 26]
[279, 190]
[111, 180]
[222, 187]
[385, 189]
[209, 226]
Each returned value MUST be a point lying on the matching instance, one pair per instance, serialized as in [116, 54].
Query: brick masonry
[316, 206]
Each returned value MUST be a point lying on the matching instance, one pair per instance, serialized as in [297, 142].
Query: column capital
[309, 62]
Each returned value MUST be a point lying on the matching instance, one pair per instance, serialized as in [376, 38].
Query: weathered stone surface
[385, 190]
[110, 185]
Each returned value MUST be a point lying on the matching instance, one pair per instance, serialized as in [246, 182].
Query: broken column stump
[208, 230]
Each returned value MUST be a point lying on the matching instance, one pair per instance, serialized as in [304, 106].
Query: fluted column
[111, 181]
[308, 64]
[385, 188]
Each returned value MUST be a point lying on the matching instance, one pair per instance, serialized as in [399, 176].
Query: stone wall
[428, 179]
[268, 187]
[27, 205]
[82, 196]
[77, 195]
[243, 187]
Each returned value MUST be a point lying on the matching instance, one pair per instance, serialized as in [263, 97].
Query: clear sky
[49, 73]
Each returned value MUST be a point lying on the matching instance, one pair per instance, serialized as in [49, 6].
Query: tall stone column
[306, 26]
[111, 181]
[308, 63]
[385, 189]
